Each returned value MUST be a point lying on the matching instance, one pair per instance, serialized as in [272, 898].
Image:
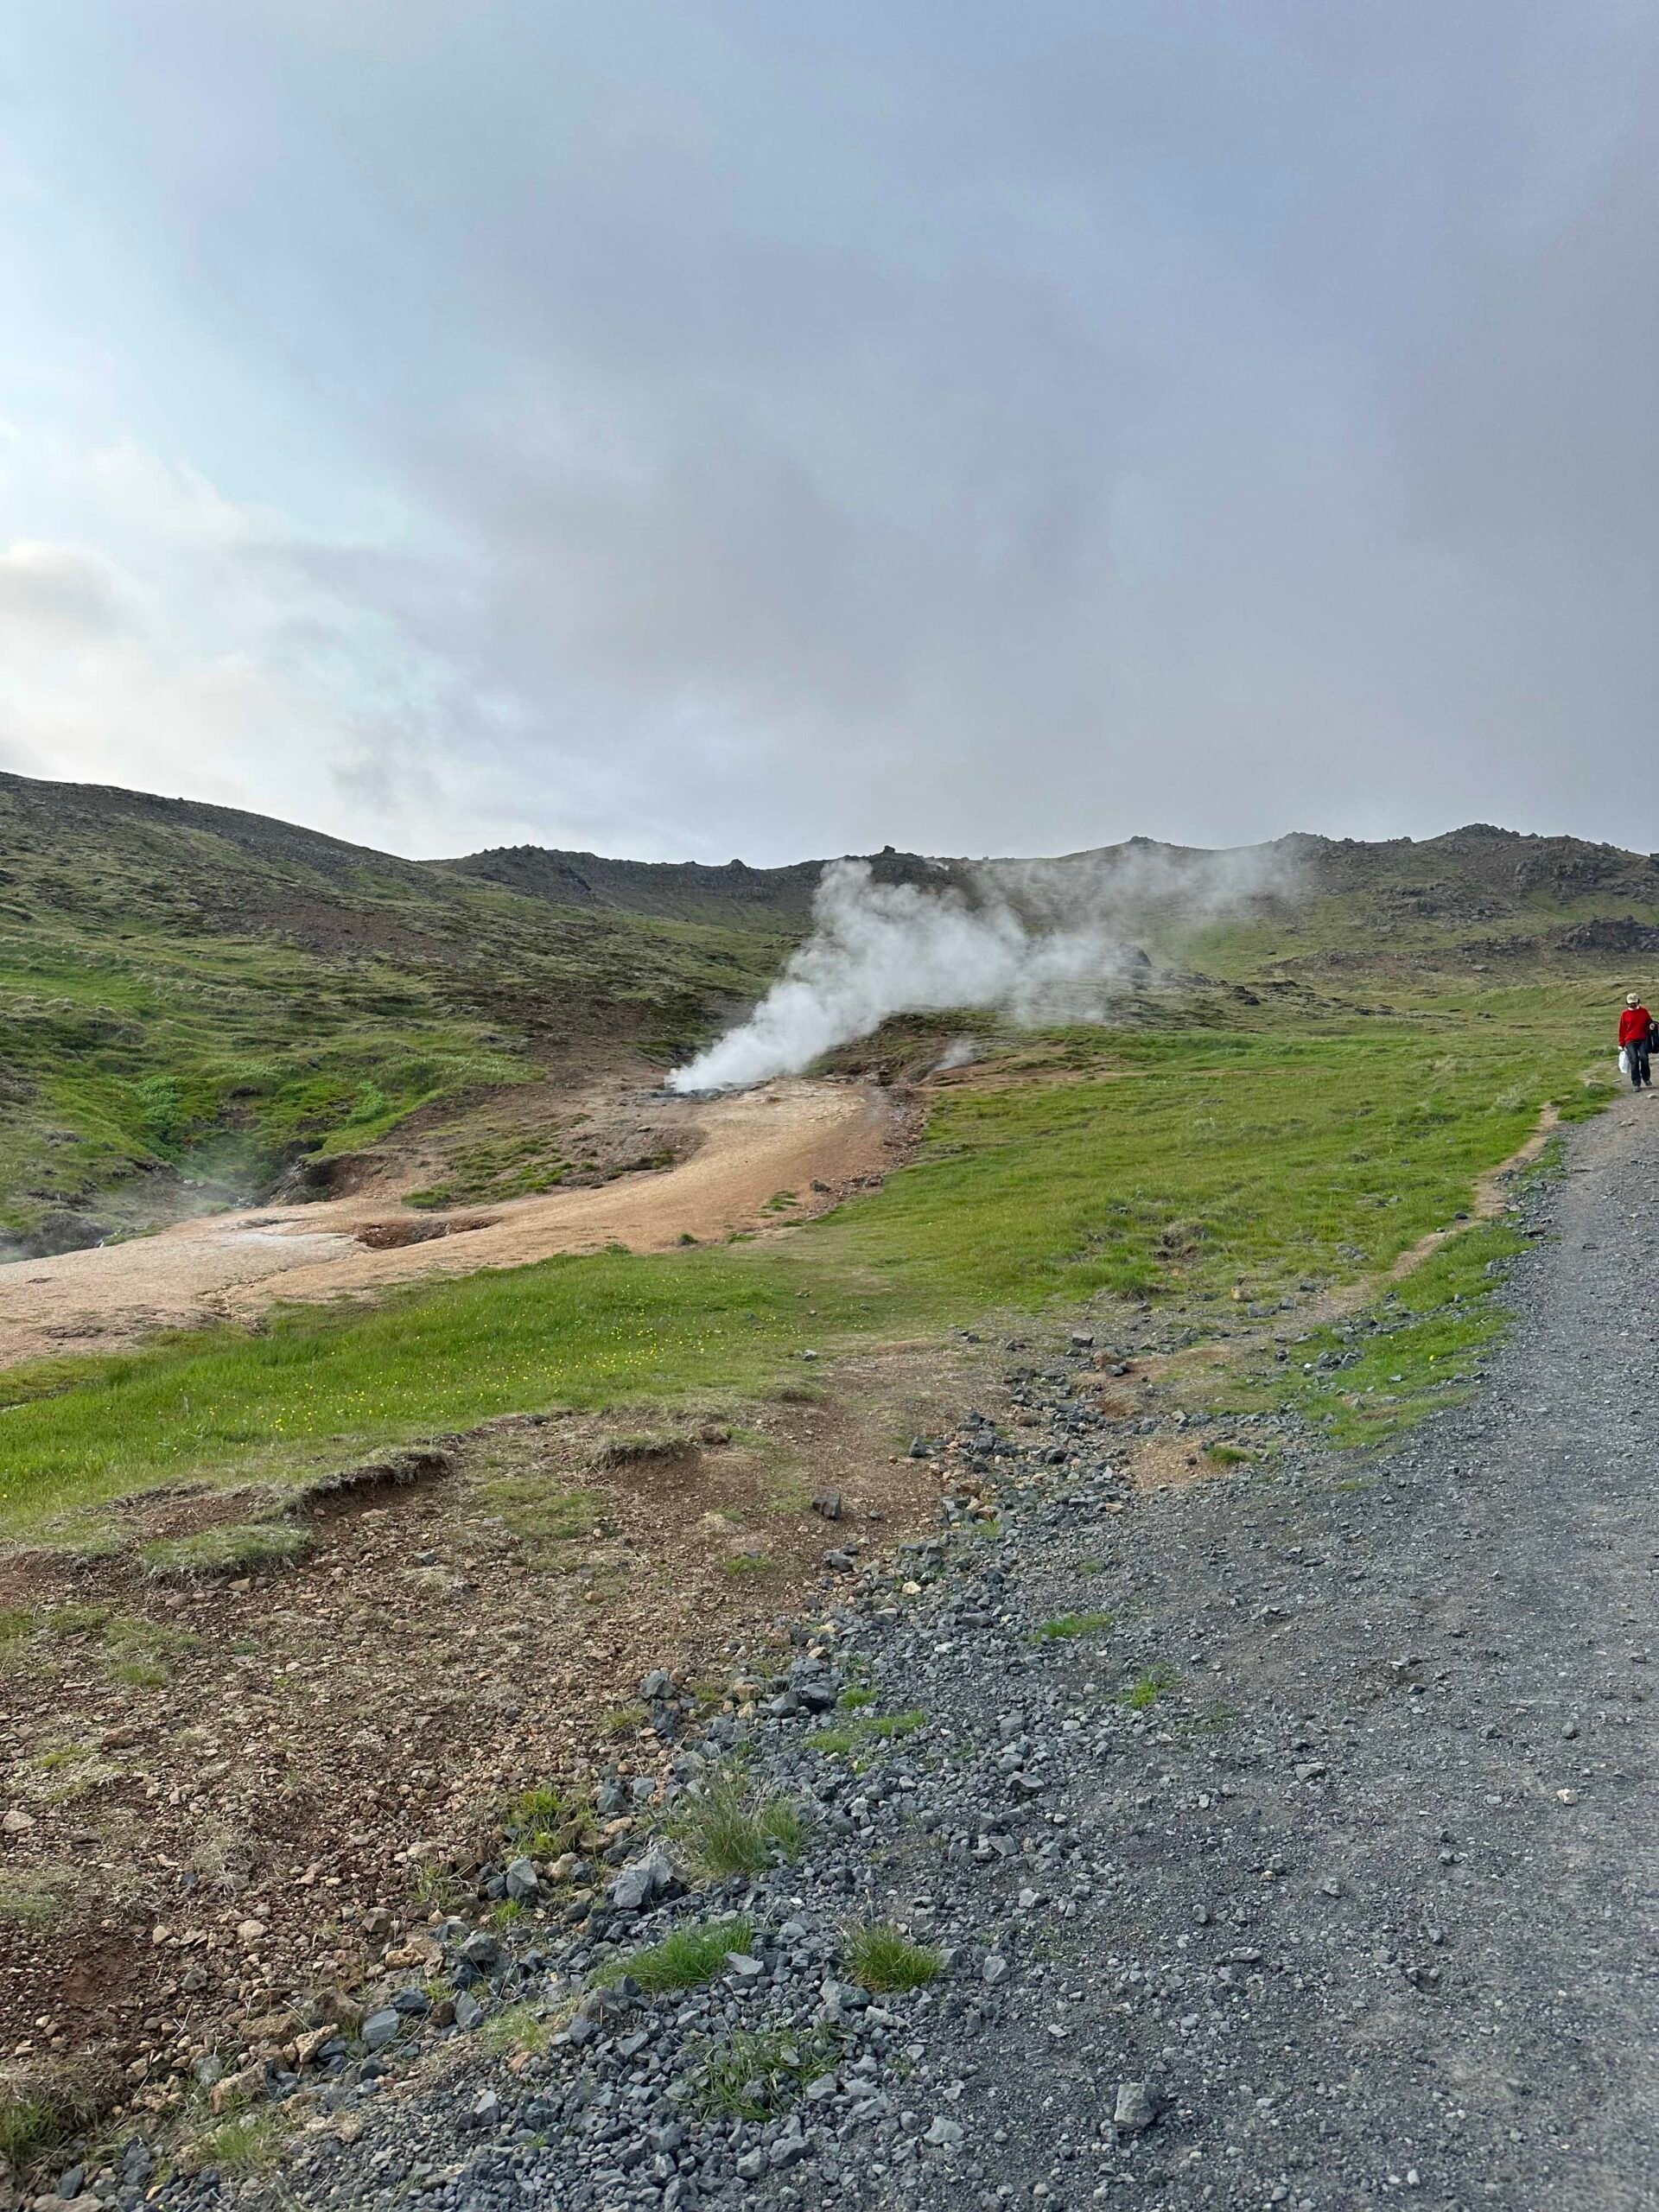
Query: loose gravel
[1286, 1839]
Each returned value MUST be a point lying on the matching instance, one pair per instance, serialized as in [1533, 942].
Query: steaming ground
[1033, 941]
[790, 1136]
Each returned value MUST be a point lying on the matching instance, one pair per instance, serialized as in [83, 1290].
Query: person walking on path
[1634, 1033]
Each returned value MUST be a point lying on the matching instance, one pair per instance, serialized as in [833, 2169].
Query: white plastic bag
[1623, 1059]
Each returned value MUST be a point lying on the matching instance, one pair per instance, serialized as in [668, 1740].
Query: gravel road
[1352, 1900]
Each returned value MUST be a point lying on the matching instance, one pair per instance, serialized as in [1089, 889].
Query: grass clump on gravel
[1065, 1626]
[684, 1959]
[759, 2073]
[864, 1731]
[1156, 1682]
[232, 1548]
[247, 2142]
[882, 1958]
[733, 1827]
[547, 1821]
[515, 2028]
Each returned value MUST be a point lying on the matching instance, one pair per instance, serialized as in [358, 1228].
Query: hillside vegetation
[192, 999]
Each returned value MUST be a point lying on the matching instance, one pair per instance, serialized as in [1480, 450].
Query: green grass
[854, 1699]
[883, 1959]
[548, 1821]
[1148, 1688]
[757, 2074]
[29, 2125]
[684, 1959]
[32, 1899]
[864, 1732]
[129, 1649]
[733, 1827]
[515, 2028]
[247, 2143]
[545, 1518]
[1065, 1626]
[213, 996]
[1250, 1160]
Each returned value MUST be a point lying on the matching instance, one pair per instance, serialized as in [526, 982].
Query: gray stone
[995, 1969]
[380, 2028]
[522, 1881]
[469, 2014]
[480, 1950]
[943, 2134]
[828, 1506]
[1135, 2111]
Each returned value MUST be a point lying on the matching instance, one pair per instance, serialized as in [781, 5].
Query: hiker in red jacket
[1635, 1035]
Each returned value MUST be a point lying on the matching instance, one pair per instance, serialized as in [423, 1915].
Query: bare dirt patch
[231, 1793]
[760, 1160]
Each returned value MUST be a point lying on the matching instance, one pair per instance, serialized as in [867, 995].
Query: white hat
[1631, 1000]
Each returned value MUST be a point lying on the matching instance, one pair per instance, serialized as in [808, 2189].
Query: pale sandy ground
[783, 1136]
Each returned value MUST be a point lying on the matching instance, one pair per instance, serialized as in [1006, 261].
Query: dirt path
[812, 1140]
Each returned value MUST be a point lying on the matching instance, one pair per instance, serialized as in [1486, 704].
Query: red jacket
[1633, 1025]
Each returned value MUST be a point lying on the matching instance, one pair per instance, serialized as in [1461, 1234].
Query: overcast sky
[783, 427]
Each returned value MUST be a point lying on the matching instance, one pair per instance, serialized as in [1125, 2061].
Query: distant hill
[192, 997]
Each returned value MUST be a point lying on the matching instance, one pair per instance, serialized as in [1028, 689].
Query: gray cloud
[783, 430]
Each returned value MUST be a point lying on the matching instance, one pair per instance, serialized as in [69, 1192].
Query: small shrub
[734, 1827]
[1065, 1626]
[881, 1958]
[684, 1959]
[236, 1548]
[1227, 1455]
[855, 1700]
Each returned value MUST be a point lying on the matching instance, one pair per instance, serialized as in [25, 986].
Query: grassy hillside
[193, 995]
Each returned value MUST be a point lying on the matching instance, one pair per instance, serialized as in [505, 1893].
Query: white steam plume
[1040, 940]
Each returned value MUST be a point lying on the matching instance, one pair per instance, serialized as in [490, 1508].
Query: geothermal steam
[1039, 941]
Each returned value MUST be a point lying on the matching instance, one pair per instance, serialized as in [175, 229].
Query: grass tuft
[547, 1821]
[757, 2074]
[515, 2028]
[882, 1958]
[1149, 1688]
[734, 1827]
[1065, 1626]
[684, 1959]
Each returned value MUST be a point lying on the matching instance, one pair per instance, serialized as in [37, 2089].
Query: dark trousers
[1641, 1066]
